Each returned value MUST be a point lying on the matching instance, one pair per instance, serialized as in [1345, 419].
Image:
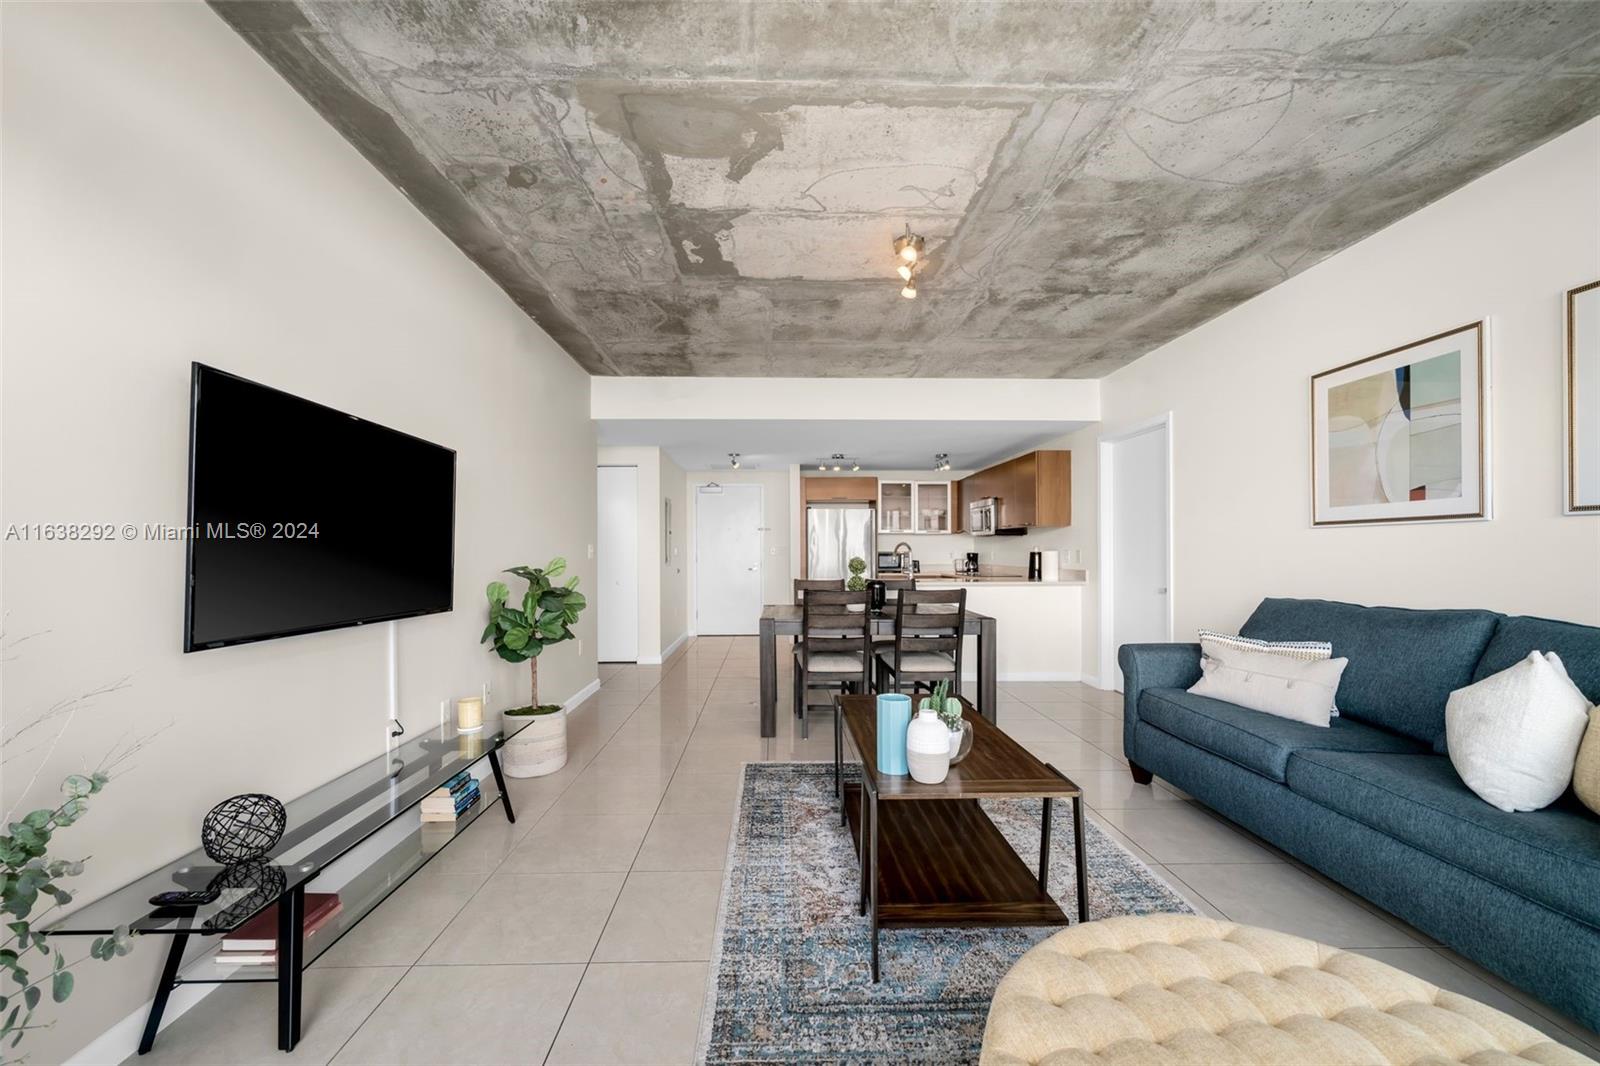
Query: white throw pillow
[1513, 737]
[1214, 643]
[1270, 683]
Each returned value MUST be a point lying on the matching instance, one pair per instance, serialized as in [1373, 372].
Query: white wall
[167, 197]
[674, 571]
[1504, 248]
[954, 399]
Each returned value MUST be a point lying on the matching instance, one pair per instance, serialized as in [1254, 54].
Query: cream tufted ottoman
[1173, 988]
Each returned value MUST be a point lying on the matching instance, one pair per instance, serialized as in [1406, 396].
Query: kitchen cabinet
[894, 507]
[932, 506]
[914, 506]
[839, 489]
[1034, 490]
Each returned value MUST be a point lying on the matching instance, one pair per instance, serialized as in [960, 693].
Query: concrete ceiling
[701, 187]
[879, 444]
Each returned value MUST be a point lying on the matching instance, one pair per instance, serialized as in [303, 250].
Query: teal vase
[894, 716]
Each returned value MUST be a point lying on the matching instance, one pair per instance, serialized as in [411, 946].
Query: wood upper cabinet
[1034, 490]
[838, 489]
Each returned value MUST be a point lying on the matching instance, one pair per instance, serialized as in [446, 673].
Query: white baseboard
[577, 698]
[120, 1041]
[666, 653]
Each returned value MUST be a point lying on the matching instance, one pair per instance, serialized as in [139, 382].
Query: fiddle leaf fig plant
[545, 618]
[29, 877]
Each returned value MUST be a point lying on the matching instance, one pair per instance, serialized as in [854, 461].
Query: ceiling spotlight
[904, 271]
[822, 466]
[941, 461]
[908, 246]
[733, 460]
[910, 291]
[855, 466]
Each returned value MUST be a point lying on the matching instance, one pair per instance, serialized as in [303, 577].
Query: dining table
[783, 619]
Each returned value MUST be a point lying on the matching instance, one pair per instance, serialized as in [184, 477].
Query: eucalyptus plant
[28, 876]
[545, 618]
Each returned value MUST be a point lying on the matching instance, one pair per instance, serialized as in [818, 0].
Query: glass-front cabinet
[894, 507]
[914, 507]
[933, 506]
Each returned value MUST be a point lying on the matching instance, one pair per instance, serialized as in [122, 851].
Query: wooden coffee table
[929, 854]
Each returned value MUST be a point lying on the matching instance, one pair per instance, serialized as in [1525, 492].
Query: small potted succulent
[858, 570]
[518, 635]
[949, 710]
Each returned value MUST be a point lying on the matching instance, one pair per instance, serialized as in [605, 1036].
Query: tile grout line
[567, 1013]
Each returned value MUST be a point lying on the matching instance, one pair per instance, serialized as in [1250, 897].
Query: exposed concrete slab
[709, 187]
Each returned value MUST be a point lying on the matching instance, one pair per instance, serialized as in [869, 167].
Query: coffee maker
[970, 567]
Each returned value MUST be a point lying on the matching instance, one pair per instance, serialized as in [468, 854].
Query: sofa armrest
[1152, 666]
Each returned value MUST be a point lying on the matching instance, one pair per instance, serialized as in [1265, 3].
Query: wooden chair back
[833, 621]
[930, 620]
[803, 585]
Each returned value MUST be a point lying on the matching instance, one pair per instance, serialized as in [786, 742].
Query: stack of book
[450, 802]
[255, 943]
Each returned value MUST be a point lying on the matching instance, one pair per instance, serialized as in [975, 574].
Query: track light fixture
[941, 461]
[908, 260]
[733, 460]
[837, 462]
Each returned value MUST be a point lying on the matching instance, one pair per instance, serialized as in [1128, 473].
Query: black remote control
[185, 899]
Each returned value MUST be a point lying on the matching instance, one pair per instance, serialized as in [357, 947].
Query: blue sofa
[1373, 801]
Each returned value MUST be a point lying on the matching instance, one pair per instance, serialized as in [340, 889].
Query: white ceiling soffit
[879, 444]
[943, 400]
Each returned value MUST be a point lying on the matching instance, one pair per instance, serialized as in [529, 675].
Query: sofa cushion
[1403, 663]
[1577, 646]
[1256, 741]
[1551, 856]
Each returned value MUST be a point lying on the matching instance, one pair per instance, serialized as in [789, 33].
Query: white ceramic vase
[928, 748]
[539, 749]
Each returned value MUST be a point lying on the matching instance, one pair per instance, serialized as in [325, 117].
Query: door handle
[758, 568]
[1161, 591]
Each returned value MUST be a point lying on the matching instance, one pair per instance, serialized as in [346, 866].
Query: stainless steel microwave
[983, 517]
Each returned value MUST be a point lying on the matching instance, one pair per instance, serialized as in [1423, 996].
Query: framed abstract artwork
[1402, 436]
[1583, 399]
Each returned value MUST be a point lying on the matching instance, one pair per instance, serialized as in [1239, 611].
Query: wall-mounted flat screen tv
[304, 518]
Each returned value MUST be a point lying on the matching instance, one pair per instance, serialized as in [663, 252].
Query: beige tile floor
[583, 933]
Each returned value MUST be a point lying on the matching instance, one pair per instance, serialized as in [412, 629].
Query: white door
[727, 559]
[1140, 593]
[617, 559]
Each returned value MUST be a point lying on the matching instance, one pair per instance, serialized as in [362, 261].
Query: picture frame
[1582, 366]
[1403, 435]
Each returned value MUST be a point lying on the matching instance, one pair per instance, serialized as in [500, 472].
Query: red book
[261, 932]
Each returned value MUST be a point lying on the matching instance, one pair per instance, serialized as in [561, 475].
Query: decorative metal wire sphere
[243, 828]
[257, 885]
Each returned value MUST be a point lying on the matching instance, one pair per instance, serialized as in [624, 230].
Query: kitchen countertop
[1073, 577]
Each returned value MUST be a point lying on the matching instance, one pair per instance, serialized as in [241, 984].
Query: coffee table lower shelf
[944, 863]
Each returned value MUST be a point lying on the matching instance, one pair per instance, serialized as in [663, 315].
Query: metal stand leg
[500, 783]
[864, 827]
[873, 884]
[1044, 846]
[839, 757]
[169, 981]
[1082, 857]
[291, 963]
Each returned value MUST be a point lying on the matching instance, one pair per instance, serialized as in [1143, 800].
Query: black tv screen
[303, 518]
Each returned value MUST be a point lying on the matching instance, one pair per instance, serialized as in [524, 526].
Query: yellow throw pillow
[1586, 772]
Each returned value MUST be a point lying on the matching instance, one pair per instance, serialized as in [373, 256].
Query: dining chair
[834, 650]
[802, 586]
[927, 641]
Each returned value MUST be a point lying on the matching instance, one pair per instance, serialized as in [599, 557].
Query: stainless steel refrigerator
[836, 533]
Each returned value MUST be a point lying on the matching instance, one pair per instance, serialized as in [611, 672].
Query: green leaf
[488, 631]
[32, 996]
[19, 928]
[517, 639]
[557, 567]
[572, 582]
[61, 986]
[554, 600]
[510, 656]
[39, 819]
[531, 602]
[100, 779]
[77, 785]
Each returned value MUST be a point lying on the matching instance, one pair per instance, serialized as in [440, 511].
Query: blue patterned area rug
[790, 978]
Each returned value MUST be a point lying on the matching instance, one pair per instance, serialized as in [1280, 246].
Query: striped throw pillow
[1304, 651]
